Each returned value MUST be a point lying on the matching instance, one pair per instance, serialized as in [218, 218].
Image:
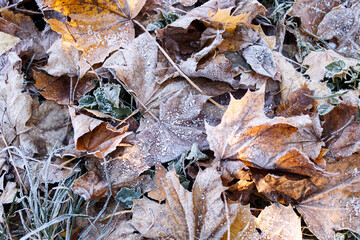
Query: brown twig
[227, 216]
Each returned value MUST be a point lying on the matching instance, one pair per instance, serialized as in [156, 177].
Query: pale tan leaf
[278, 222]
[317, 61]
[63, 59]
[199, 214]
[7, 42]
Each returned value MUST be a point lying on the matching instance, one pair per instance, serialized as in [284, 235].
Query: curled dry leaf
[94, 27]
[180, 126]
[246, 134]
[334, 204]
[91, 186]
[199, 214]
[58, 88]
[95, 136]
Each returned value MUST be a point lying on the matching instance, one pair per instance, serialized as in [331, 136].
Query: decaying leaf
[199, 214]
[246, 134]
[334, 205]
[7, 42]
[95, 36]
[91, 186]
[180, 126]
[95, 136]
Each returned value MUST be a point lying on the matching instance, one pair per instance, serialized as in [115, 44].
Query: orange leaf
[95, 27]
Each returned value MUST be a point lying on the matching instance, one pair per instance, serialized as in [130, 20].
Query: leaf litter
[90, 90]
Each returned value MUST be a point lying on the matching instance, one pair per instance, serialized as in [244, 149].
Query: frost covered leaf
[13, 102]
[261, 60]
[180, 126]
[334, 205]
[199, 214]
[95, 136]
[318, 60]
[324, 108]
[341, 24]
[58, 88]
[342, 130]
[63, 59]
[91, 186]
[94, 27]
[312, 12]
[7, 42]
[279, 222]
[246, 134]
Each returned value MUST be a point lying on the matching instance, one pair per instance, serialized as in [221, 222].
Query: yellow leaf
[270, 40]
[224, 16]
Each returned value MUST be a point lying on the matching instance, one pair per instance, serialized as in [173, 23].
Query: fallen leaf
[282, 189]
[199, 214]
[58, 88]
[63, 59]
[246, 134]
[158, 193]
[95, 27]
[312, 12]
[180, 126]
[244, 226]
[261, 60]
[91, 186]
[95, 136]
[318, 60]
[279, 222]
[340, 23]
[14, 103]
[341, 129]
[7, 42]
[334, 205]
[298, 103]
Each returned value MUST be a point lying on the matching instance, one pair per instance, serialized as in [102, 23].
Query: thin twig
[175, 66]
[115, 214]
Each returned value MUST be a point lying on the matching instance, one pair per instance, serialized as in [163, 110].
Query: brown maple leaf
[246, 134]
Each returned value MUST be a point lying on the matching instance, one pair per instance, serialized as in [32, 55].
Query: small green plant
[166, 19]
[187, 159]
[126, 197]
[107, 99]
